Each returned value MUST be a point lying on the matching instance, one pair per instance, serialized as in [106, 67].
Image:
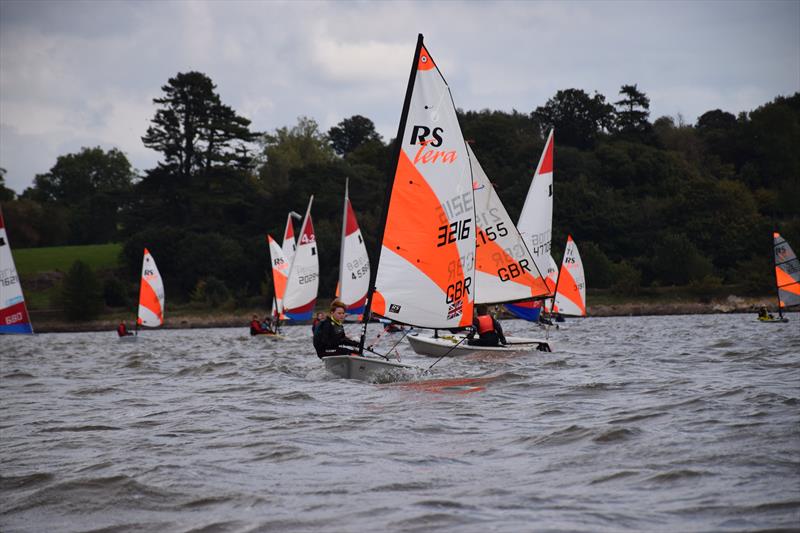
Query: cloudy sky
[76, 74]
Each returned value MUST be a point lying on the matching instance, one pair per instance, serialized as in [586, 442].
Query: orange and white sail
[570, 296]
[504, 269]
[353, 262]
[14, 316]
[536, 219]
[303, 278]
[787, 273]
[289, 245]
[280, 274]
[426, 271]
[151, 294]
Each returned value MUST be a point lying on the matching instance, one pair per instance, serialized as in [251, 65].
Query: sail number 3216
[455, 231]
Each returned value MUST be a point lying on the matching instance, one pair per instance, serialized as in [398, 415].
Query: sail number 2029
[450, 233]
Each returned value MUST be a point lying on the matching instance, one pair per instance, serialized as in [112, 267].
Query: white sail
[787, 273]
[303, 277]
[353, 262]
[536, 219]
[426, 271]
[504, 269]
[14, 316]
[151, 294]
[289, 246]
[571, 285]
[280, 274]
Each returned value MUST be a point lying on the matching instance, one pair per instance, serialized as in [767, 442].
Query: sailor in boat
[122, 330]
[257, 328]
[763, 314]
[329, 336]
[318, 318]
[489, 330]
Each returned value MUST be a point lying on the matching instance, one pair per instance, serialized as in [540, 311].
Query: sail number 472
[456, 231]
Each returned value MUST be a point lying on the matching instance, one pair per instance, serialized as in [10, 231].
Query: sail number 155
[453, 232]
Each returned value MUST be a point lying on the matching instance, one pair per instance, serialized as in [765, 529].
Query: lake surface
[682, 423]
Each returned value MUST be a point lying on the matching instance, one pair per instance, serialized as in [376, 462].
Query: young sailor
[329, 336]
[489, 330]
[122, 330]
[255, 326]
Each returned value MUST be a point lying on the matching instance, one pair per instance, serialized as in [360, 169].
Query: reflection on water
[686, 423]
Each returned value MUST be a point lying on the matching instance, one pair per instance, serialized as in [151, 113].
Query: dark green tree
[351, 133]
[6, 194]
[80, 293]
[632, 111]
[579, 119]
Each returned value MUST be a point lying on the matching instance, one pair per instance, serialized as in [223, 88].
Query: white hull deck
[449, 345]
[368, 368]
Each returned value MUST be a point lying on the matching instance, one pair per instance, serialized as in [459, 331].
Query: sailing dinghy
[353, 262]
[426, 268]
[14, 318]
[504, 272]
[536, 227]
[787, 278]
[151, 298]
[570, 299]
[303, 277]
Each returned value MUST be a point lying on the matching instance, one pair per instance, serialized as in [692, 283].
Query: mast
[344, 235]
[389, 184]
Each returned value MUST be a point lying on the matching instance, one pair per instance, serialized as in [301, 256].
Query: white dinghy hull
[368, 368]
[449, 345]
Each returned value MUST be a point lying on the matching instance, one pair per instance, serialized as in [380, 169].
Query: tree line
[650, 203]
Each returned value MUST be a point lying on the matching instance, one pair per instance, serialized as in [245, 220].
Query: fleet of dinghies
[14, 318]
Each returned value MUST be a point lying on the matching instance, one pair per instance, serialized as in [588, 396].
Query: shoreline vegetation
[186, 318]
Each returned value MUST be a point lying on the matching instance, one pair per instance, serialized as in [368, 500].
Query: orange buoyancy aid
[485, 324]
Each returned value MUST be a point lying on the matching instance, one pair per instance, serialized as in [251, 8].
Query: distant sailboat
[787, 275]
[14, 318]
[536, 227]
[353, 262]
[303, 276]
[151, 296]
[570, 299]
[280, 275]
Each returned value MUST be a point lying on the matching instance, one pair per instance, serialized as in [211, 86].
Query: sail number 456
[456, 231]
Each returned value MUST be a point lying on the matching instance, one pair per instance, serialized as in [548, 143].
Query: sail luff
[344, 236]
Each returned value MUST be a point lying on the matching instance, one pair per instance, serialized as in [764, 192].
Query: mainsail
[303, 277]
[787, 274]
[13, 313]
[571, 285]
[289, 246]
[536, 227]
[151, 294]
[353, 262]
[426, 268]
[504, 269]
[280, 274]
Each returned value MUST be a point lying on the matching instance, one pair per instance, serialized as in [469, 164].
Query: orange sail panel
[787, 273]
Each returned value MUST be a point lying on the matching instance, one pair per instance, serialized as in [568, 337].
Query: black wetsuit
[330, 339]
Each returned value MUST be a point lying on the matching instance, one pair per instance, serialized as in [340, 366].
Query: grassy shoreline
[188, 318]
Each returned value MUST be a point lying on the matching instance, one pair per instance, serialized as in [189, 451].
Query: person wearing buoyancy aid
[489, 330]
[122, 330]
[255, 326]
[329, 336]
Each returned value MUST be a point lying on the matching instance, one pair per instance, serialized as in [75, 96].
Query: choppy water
[634, 424]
